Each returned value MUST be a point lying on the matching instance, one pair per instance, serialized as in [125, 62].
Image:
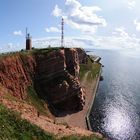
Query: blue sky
[99, 24]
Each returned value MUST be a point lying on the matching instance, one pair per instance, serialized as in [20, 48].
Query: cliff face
[53, 74]
[14, 76]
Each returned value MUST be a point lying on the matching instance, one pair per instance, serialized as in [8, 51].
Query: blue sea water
[116, 109]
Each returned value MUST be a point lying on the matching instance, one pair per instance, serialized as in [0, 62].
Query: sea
[116, 109]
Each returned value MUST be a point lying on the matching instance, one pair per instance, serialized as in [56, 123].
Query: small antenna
[26, 32]
[62, 32]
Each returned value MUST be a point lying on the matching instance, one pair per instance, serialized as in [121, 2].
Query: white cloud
[57, 11]
[69, 42]
[52, 29]
[10, 45]
[46, 41]
[119, 40]
[131, 4]
[18, 33]
[137, 24]
[121, 32]
[83, 18]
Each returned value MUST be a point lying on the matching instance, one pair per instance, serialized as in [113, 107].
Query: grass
[34, 100]
[45, 50]
[39, 51]
[33, 51]
[92, 68]
[12, 127]
[82, 138]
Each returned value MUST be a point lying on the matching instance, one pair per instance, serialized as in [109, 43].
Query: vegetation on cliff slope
[93, 70]
[34, 50]
[12, 127]
[34, 100]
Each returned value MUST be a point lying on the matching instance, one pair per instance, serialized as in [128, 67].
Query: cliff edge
[52, 73]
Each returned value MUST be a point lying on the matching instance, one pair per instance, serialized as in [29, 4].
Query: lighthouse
[28, 41]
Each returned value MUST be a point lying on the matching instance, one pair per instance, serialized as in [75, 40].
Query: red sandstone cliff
[53, 74]
[14, 76]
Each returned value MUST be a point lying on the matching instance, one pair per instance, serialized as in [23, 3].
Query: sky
[100, 24]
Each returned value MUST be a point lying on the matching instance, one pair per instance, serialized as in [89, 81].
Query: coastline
[92, 102]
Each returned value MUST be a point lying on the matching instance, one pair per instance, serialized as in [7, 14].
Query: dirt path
[78, 119]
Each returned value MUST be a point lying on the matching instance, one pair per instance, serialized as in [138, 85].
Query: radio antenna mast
[62, 32]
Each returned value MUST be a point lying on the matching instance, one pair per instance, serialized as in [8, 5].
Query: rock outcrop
[54, 75]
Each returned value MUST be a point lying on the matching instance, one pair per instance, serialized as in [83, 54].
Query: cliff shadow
[54, 85]
[53, 92]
